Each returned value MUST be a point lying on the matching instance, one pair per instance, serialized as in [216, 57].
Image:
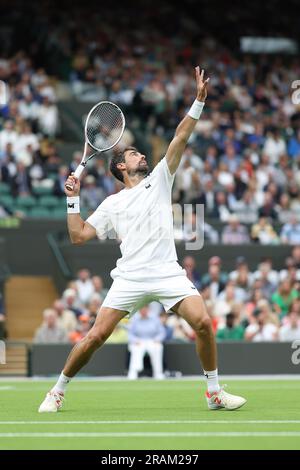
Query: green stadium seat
[42, 191]
[7, 200]
[59, 213]
[40, 213]
[24, 210]
[52, 176]
[49, 201]
[26, 201]
[4, 188]
[84, 213]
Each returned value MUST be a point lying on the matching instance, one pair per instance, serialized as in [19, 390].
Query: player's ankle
[61, 384]
[212, 381]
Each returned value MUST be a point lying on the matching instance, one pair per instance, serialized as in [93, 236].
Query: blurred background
[242, 162]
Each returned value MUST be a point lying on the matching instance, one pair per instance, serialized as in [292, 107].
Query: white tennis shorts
[130, 296]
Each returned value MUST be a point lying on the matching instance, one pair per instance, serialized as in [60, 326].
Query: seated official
[145, 335]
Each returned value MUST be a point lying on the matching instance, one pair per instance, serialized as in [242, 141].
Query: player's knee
[95, 339]
[202, 325]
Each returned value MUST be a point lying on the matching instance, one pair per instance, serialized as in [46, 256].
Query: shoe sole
[214, 408]
[52, 411]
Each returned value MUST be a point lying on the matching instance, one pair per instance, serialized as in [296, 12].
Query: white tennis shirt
[142, 219]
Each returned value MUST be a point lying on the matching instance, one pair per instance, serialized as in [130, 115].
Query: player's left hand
[201, 84]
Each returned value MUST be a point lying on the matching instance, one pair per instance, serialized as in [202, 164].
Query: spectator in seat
[50, 332]
[265, 270]
[182, 331]
[290, 331]
[228, 299]
[262, 232]
[231, 158]
[265, 307]
[48, 117]
[146, 335]
[66, 319]
[8, 135]
[207, 197]
[81, 330]
[232, 331]
[241, 275]
[192, 157]
[21, 183]
[220, 209]
[94, 306]
[91, 195]
[261, 329]
[267, 287]
[189, 264]
[215, 278]
[70, 301]
[235, 233]
[290, 233]
[246, 209]
[291, 271]
[268, 207]
[275, 145]
[98, 286]
[59, 184]
[283, 297]
[84, 285]
[283, 208]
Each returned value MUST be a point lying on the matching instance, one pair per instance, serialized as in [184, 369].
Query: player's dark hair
[119, 158]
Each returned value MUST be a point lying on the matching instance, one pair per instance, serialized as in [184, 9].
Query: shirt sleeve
[101, 220]
[160, 335]
[162, 171]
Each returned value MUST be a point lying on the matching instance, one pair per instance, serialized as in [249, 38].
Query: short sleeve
[162, 170]
[100, 219]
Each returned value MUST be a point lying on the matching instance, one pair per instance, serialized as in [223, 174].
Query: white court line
[200, 421]
[149, 434]
[185, 378]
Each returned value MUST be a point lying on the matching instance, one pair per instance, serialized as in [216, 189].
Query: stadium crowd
[243, 158]
[263, 305]
[243, 161]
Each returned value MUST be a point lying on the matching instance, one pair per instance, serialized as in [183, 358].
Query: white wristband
[196, 109]
[73, 205]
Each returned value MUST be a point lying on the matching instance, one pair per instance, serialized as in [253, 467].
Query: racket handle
[77, 174]
[79, 170]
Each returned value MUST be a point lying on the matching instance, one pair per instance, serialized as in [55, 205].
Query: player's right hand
[73, 182]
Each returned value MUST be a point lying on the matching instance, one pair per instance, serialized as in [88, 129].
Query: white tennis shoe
[222, 399]
[52, 403]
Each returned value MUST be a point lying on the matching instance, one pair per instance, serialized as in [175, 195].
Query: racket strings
[105, 126]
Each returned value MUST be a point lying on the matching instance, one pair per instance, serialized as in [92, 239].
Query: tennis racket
[104, 127]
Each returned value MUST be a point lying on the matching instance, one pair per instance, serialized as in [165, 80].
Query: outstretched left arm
[187, 125]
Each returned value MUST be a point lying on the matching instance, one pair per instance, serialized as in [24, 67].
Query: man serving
[141, 216]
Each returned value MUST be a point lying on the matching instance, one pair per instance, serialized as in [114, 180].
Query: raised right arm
[79, 230]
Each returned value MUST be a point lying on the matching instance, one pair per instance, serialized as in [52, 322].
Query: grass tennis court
[150, 415]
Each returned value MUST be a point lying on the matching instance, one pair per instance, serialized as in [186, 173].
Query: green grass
[144, 400]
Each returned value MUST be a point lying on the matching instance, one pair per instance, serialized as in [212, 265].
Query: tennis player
[141, 216]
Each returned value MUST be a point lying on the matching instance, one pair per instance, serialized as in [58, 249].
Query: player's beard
[142, 170]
